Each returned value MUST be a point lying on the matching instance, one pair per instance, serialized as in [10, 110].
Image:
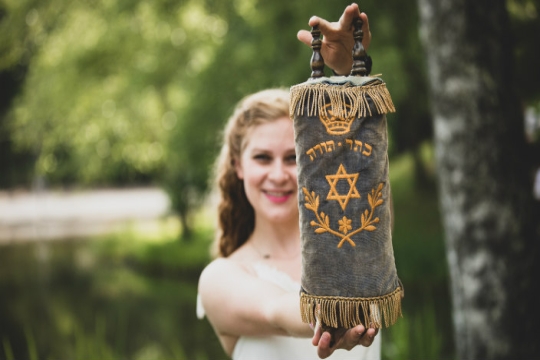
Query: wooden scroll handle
[317, 61]
[358, 53]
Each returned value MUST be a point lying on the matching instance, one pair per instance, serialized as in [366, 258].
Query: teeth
[274, 193]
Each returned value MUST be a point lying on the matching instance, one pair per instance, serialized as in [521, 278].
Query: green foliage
[425, 331]
[121, 91]
[415, 336]
[93, 346]
[417, 219]
[8, 351]
[261, 52]
[103, 87]
[32, 350]
[126, 91]
[525, 20]
[131, 294]
[106, 298]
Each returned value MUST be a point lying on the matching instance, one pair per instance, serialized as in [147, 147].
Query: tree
[259, 51]
[102, 90]
[485, 170]
[21, 30]
[251, 57]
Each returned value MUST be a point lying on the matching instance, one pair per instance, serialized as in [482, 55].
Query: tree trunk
[186, 226]
[485, 172]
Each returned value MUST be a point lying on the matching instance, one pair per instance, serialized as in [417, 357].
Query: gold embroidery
[345, 225]
[330, 145]
[347, 312]
[322, 224]
[334, 123]
[333, 194]
[347, 101]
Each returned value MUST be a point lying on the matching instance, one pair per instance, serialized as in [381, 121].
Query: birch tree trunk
[485, 173]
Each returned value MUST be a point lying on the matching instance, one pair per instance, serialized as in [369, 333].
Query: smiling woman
[251, 292]
[236, 213]
[268, 169]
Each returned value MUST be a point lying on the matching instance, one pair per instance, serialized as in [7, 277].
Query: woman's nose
[278, 172]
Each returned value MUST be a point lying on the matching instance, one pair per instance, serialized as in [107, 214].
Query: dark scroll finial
[317, 61]
[358, 52]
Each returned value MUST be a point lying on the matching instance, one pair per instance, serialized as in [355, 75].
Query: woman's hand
[342, 339]
[338, 40]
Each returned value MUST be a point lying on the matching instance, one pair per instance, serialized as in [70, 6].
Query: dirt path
[53, 215]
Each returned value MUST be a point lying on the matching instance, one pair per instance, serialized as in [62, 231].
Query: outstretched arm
[338, 40]
[238, 303]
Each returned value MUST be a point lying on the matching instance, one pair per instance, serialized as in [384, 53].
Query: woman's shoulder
[221, 264]
[221, 278]
[218, 267]
[222, 268]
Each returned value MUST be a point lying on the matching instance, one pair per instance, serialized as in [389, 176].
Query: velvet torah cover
[349, 275]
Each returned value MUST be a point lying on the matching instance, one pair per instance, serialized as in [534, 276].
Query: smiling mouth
[278, 193]
[278, 196]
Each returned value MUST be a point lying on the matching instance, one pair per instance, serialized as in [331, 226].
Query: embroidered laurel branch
[323, 220]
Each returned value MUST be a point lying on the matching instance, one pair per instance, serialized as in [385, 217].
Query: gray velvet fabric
[344, 189]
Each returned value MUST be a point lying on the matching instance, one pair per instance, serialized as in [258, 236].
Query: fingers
[367, 31]
[317, 331]
[351, 12]
[305, 37]
[346, 339]
[344, 23]
[338, 40]
[365, 20]
[314, 20]
[317, 334]
[364, 337]
[324, 349]
[324, 25]
[354, 337]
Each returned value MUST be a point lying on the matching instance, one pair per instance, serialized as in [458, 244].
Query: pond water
[59, 300]
[132, 295]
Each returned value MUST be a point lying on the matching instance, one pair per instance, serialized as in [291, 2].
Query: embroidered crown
[337, 122]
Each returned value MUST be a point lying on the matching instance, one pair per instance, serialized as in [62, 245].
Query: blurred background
[110, 116]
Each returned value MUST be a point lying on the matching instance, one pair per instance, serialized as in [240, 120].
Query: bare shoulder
[222, 285]
[223, 272]
[237, 302]
[237, 263]
[220, 268]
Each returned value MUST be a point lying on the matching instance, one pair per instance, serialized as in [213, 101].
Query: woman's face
[268, 167]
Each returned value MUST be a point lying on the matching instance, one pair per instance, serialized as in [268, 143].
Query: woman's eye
[291, 159]
[262, 157]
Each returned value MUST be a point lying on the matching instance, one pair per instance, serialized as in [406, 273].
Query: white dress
[286, 347]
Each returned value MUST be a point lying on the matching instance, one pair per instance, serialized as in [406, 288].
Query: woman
[250, 293]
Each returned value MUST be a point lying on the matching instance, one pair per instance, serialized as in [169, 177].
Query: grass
[425, 331]
[131, 294]
[127, 295]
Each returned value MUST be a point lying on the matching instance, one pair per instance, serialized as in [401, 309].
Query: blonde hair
[236, 217]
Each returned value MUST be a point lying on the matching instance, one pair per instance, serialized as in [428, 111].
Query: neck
[276, 241]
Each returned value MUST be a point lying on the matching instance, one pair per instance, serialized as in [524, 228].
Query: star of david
[333, 194]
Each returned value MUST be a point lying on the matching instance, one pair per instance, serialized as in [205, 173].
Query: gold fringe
[345, 312]
[347, 100]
